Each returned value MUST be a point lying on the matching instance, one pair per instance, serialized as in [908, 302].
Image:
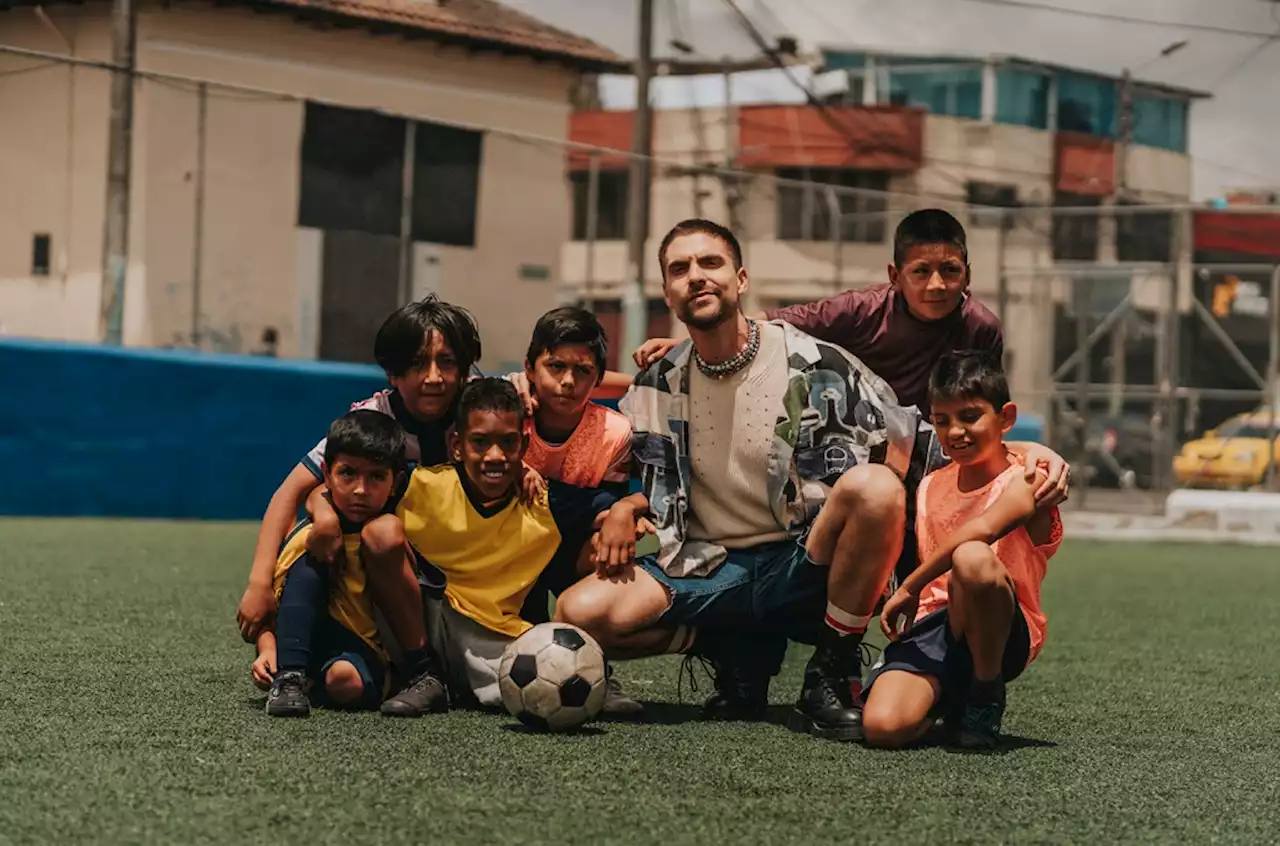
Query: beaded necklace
[737, 362]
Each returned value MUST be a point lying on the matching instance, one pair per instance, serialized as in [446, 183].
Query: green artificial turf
[126, 715]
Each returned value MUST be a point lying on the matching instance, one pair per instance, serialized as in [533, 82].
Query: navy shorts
[930, 650]
[774, 588]
[332, 642]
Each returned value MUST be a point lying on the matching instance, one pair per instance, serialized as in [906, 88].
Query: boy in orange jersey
[968, 619]
[572, 439]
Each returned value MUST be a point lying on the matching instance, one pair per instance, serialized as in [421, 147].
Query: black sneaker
[287, 696]
[830, 704]
[979, 728]
[424, 694]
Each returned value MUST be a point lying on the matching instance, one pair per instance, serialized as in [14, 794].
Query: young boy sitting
[325, 631]
[970, 612]
[466, 521]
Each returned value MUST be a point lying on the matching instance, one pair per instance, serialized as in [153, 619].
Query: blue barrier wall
[94, 431]
[87, 430]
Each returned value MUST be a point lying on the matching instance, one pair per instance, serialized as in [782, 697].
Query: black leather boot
[741, 679]
[830, 704]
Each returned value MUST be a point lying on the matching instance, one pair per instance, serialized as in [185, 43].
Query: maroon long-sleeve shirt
[875, 325]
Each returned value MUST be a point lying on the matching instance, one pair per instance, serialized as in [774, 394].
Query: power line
[1108, 16]
[28, 69]
[1252, 54]
[248, 92]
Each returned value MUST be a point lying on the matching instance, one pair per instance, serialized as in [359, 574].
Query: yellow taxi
[1235, 455]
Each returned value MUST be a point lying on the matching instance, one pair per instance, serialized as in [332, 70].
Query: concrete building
[956, 132]
[284, 210]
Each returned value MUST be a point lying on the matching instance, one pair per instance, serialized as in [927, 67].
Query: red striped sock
[844, 622]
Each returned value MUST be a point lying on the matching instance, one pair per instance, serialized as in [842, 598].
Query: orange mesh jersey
[942, 508]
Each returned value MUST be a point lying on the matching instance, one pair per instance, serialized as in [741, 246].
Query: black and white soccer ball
[552, 677]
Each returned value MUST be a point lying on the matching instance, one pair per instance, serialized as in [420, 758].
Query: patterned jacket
[836, 414]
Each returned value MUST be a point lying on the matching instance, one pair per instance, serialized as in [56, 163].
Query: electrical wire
[246, 92]
[1252, 54]
[28, 69]
[810, 98]
[1109, 16]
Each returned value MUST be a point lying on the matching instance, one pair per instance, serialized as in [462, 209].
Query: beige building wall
[52, 171]
[257, 267]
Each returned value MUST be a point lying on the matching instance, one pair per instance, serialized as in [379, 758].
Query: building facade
[1000, 142]
[276, 215]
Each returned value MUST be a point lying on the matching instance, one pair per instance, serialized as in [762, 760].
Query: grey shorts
[471, 653]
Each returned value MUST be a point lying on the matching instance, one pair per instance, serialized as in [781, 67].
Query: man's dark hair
[707, 227]
[970, 374]
[569, 325]
[368, 434]
[489, 393]
[928, 226]
[402, 340]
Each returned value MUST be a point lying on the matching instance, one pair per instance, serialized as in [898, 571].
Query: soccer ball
[552, 677]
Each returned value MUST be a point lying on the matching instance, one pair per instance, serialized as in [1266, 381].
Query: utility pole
[635, 305]
[732, 182]
[1120, 332]
[115, 242]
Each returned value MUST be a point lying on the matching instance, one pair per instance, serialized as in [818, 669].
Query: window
[446, 184]
[1243, 429]
[990, 194]
[956, 91]
[1144, 236]
[1087, 104]
[1160, 122]
[1022, 98]
[611, 204]
[353, 176]
[1075, 236]
[352, 170]
[805, 213]
[40, 254]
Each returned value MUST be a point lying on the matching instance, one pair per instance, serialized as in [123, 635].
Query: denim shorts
[772, 588]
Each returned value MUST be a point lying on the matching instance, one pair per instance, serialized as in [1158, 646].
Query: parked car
[1236, 455]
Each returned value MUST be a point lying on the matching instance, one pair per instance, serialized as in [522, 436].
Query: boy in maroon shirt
[903, 327]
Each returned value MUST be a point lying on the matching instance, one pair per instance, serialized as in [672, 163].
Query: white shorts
[471, 653]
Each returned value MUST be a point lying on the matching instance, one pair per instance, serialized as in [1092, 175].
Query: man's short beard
[725, 313]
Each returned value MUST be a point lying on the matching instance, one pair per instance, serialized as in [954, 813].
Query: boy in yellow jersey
[465, 521]
[325, 636]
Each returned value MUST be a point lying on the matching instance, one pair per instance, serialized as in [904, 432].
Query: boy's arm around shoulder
[1014, 507]
[258, 602]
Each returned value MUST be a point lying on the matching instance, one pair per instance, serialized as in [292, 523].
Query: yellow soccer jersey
[491, 556]
[349, 600]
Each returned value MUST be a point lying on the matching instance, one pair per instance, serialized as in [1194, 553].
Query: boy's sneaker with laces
[424, 694]
[617, 704]
[983, 713]
[287, 696]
